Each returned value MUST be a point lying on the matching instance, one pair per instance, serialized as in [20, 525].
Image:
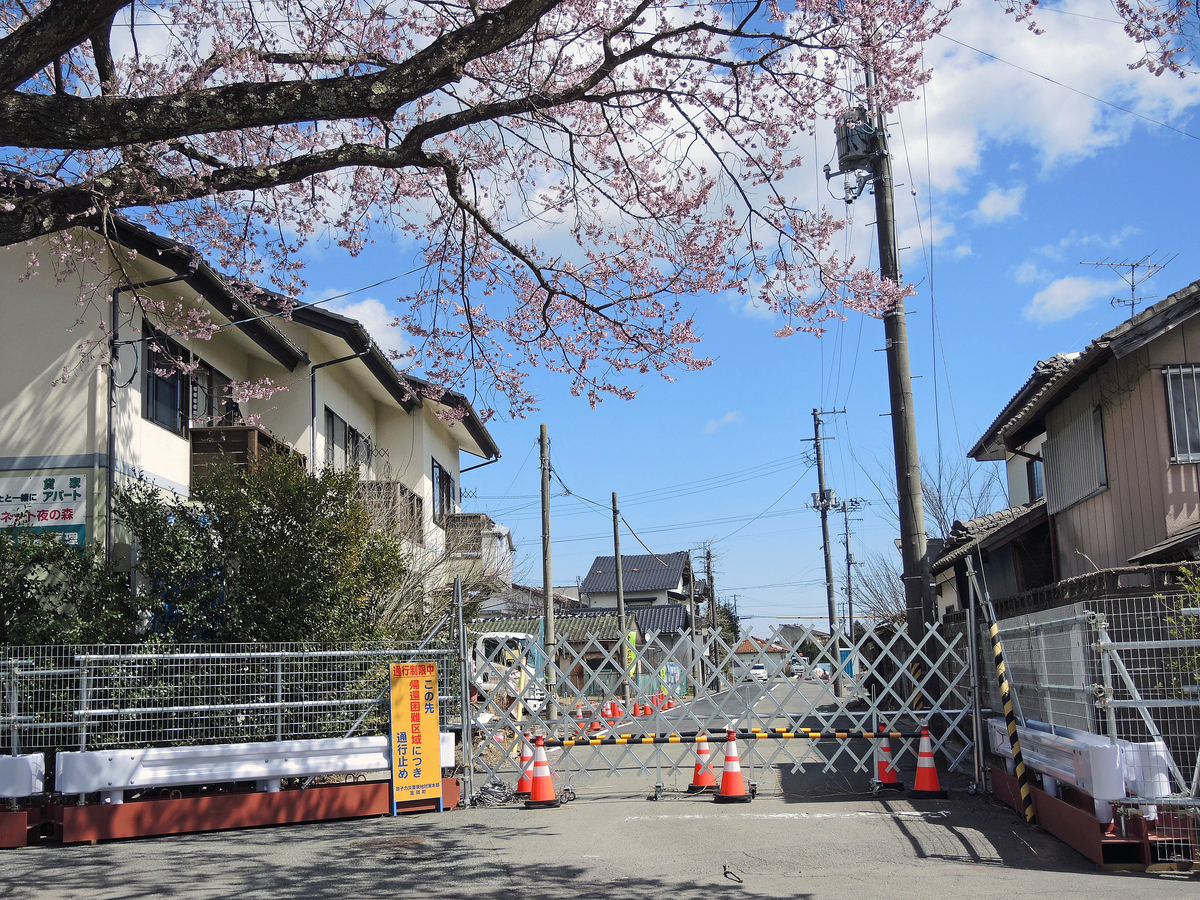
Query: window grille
[1074, 465]
[1183, 411]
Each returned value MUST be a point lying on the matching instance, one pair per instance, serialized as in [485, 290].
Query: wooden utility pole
[917, 595]
[551, 645]
[617, 568]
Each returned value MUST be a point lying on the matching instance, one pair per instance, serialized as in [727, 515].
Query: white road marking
[863, 814]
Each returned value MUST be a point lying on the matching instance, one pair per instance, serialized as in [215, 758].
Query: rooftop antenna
[1139, 270]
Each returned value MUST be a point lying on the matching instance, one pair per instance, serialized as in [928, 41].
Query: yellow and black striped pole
[1010, 718]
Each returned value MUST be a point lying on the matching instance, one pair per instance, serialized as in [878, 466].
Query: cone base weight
[543, 804]
[914, 794]
[732, 798]
[701, 788]
[893, 786]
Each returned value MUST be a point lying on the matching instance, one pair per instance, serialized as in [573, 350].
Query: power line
[1053, 81]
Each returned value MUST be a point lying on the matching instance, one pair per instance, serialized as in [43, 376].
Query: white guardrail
[112, 772]
[1108, 771]
[22, 776]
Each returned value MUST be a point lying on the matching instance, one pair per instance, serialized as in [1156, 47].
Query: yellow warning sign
[416, 755]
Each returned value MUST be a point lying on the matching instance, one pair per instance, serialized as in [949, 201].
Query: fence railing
[89, 697]
[1127, 668]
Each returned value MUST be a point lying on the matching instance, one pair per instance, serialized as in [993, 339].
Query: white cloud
[376, 319]
[1029, 272]
[1065, 297]
[730, 418]
[961, 251]
[976, 103]
[998, 204]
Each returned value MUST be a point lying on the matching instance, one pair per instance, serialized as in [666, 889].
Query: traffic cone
[925, 785]
[541, 795]
[525, 784]
[635, 711]
[886, 778]
[580, 725]
[733, 786]
[703, 778]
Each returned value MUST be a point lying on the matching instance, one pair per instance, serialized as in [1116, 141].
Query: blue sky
[1017, 180]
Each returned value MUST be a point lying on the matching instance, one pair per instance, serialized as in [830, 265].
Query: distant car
[800, 667]
[758, 672]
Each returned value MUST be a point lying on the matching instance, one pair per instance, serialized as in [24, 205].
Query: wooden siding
[1148, 499]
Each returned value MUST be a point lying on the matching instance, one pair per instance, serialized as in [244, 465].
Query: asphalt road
[604, 846]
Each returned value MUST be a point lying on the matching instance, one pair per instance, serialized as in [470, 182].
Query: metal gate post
[973, 669]
[464, 701]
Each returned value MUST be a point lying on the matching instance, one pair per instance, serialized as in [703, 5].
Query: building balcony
[229, 443]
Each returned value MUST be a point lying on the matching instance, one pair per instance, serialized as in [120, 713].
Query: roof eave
[215, 290]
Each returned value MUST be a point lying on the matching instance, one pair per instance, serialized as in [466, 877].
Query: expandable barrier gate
[613, 710]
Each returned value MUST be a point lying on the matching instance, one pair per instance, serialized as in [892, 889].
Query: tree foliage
[52, 593]
[573, 172]
[268, 553]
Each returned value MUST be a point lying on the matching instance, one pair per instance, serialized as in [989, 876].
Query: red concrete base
[216, 812]
[1073, 821]
[20, 827]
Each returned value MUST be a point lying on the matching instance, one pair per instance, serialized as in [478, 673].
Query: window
[1033, 473]
[1183, 412]
[1075, 467]
[394, 508]
[346, 447]
[177, 400]
[444, 499]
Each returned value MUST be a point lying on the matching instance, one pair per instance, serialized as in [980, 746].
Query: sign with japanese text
[416, 754]
[46, 502]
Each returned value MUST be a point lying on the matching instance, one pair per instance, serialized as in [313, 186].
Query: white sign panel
[46, 502]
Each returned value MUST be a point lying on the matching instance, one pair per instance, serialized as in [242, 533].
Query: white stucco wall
[62, 428]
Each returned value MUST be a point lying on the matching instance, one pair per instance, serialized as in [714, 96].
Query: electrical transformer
[854, 132]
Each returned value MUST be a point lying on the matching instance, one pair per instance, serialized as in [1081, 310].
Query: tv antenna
[1138, 271]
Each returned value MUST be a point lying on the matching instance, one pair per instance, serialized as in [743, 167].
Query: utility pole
[847, 507]
[825, 500]
[551, 645]
[620, 597]
[917, 595]
[712, 591]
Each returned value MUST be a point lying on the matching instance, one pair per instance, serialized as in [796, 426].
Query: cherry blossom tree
[573, 172]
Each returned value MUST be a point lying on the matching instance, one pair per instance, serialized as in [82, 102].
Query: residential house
[1101, 450]
[648, 580]
[751, 650]
[70, 430]
[526, 600]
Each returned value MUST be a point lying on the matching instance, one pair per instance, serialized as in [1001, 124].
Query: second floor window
[1033, 474]
[178, 400]
[1075, 466]
[1183, 412]
[443, 493]
[345, 446]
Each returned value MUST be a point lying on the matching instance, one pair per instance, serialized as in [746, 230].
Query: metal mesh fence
[81, 697]
[1127, 668]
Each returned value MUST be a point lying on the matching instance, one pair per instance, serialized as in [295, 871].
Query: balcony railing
[229, 443]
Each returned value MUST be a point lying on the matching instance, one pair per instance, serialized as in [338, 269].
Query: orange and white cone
[542, 794]
[525, 784]
[703, 778]
[733, 785]
[886, 779]
[580, 725]
[925, 785]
